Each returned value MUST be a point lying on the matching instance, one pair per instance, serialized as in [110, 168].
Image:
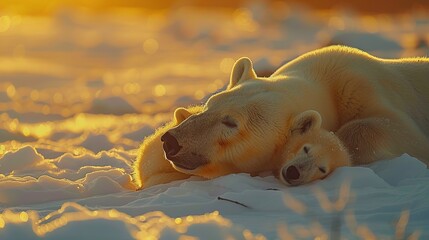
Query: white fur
[377, 107]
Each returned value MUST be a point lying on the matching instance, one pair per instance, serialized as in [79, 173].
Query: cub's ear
[181, 114]
[306, 121]
[242, 70]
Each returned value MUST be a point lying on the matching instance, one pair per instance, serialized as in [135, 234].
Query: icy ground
[80, 91]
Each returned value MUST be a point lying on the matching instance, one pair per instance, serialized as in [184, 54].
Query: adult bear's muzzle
[170, 145]
[176, 154]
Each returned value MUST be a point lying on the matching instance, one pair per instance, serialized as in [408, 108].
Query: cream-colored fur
[151, 167]
[311, 153]
[377, 107]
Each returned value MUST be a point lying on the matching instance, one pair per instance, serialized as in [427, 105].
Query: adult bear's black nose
[290, 173]
[171, 145]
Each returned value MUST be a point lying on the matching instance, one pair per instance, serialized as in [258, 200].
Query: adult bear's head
[241, 129]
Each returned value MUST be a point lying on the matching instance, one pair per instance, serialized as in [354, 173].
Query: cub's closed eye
[229, 122]
[306, 149]
[322, 169]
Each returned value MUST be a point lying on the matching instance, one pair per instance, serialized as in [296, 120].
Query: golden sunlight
[4, 23]
[84, 83]
[226, 65]
[244, 20]
[160, 90]
[11, 91]
[2, 222]
[23, 216]
[150, 46]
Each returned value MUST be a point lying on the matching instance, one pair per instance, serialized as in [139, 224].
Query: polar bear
[377, 107]
[151, 167]
[311, 153]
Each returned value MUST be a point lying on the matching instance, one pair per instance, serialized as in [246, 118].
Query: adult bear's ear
[181, 114]
[242, 70]
[306, 121]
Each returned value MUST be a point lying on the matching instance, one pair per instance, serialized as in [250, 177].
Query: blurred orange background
[86, 65]
[49, 6]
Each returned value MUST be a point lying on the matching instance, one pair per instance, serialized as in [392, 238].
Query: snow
[112, 105]
[355, 198]
[77, 100]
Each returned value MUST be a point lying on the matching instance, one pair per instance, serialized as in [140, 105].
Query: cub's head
[311, 152]
[238, 130]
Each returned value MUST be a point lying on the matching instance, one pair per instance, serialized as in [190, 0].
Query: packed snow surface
[79, 91]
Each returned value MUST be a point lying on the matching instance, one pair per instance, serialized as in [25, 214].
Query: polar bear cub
[151, 168]
[312, 152]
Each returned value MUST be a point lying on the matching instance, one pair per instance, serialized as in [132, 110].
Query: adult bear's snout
[170, 145]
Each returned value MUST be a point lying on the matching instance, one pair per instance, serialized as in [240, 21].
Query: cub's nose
[290, 173]
[171, 145]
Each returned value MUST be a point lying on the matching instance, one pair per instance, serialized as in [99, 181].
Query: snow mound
[23, 160]
[366, 41]
[112, 224]
[49, 153]
[111, 105]
[140, 134]
[69, 161]
[263, 67]
[33, 117]
[28, 178]
[97, 143]
[8, 136]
